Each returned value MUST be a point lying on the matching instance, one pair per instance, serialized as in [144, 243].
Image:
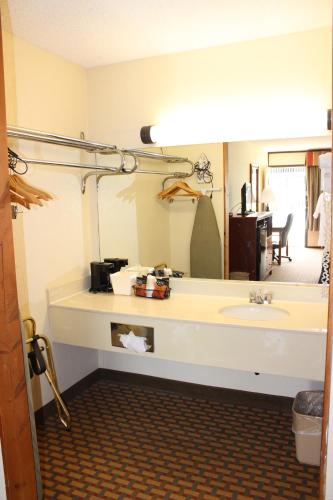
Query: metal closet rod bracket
[121, 170]
[180, 175]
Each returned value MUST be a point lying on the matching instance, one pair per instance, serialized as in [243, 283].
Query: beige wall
[53, 244]
[267, 88]
[132, 223]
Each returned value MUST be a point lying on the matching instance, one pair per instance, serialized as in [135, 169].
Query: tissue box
[122, 282]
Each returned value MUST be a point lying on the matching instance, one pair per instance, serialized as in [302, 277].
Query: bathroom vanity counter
[190, 328]
[206, 309]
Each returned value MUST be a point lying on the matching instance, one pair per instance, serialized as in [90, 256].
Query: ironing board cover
[205, 248]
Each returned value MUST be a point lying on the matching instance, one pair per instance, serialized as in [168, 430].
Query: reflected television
[246, 199]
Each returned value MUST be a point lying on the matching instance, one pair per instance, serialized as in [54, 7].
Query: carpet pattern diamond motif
[129, 441]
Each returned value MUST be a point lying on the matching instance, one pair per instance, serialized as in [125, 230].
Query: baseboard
[69, 394]
[250, 399]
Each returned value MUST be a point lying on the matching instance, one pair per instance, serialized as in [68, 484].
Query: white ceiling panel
[99, 32]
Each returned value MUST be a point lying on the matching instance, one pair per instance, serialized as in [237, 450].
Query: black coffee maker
[117, 263]
[100, 273]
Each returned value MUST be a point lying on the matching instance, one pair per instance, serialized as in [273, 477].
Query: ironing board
[205, 248]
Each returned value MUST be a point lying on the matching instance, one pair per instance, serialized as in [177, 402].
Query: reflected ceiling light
[148, 134]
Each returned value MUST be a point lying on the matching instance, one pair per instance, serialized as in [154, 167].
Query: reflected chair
[282, 241]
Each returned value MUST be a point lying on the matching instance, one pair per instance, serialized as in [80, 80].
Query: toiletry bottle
[151, 282]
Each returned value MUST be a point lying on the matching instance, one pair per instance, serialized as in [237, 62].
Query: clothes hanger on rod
[21, 195]
[179, 188]
[43, 195]
[22, 192]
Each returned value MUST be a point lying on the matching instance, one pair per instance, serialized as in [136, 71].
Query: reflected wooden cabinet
[250, 245]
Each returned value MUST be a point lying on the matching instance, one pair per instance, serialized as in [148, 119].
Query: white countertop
[306, 316]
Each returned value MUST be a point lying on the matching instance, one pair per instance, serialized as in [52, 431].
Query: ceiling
[99, 32]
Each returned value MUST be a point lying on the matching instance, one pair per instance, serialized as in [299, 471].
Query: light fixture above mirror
[147, 134]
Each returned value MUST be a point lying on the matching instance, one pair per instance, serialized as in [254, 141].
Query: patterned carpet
[304, 268]
[129, 441]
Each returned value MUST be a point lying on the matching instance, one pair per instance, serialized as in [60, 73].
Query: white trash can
[307, 422]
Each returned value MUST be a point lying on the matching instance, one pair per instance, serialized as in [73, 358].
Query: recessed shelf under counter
[189, 328]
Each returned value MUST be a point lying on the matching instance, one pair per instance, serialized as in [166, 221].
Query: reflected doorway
[289, 187]
[297, 189]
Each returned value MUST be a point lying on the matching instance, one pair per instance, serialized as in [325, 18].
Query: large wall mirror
[134, 223]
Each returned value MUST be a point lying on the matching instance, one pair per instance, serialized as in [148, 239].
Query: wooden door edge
[226, 211]
[329, 352]
[15, 425]
[328, 376]
[326, 409]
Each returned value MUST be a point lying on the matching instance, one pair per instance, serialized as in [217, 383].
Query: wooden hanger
[176, 190]
[43, 195]
[23, 193]
[20, 191]
[15, 198]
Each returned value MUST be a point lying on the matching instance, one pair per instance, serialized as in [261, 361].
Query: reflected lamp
[267, 196]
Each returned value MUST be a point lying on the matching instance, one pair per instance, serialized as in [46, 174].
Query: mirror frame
[254, 181]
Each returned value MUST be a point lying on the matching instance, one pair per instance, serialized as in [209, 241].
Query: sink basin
[256, 312]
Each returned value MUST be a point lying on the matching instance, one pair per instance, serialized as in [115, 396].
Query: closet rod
[69, 164]
[60, 140]
[155, 156]
[171, 175]
[91, 146]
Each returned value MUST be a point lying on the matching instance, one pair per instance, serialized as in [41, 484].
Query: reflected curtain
[312, 187]
[289, 185]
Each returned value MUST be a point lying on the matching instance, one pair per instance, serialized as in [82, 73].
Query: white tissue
[134, 343]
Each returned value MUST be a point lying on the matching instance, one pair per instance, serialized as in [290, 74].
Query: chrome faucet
[260, 297]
